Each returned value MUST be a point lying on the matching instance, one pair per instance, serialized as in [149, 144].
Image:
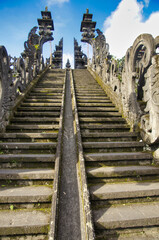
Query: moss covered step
[41, 94]
[112, 145]
[39, 97]
[88, 104]
[101, 120]
[90, 98]
[109, 135]
[95, 94]
[32, 127]
[118, 156]
[124, 190]
[127, 171]
[38, 109]
[37, 114]
[46, 90]
[28, 194]
[24, 222]
[99, 114]
[27, 158]
[26, 120]
[13, 137]
[105, 127]
[128, 216]
[40, 104]
[90, 89]
[97, 109]
[83, 100]
[25, 147]
[25, 174]
[42, 100]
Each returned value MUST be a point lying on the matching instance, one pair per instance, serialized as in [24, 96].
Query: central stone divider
[58, 157]
[87, 230]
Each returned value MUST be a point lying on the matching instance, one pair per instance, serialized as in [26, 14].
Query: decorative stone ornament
[17, 73]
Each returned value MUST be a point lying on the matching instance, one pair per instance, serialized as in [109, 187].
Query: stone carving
[17, 73]
[137, 61]
[98, 43]
[57, 55]
[4, 85]
[150, 120]
[80, 59]
[68, 65]
[134, 79]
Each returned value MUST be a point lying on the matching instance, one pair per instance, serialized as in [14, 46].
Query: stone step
[97, 109]
[30, 136]
[99, 114]
[26, 145]
[108, 134]
[52, 85]
[38, 109]
[128, 216]
[94, 94]
[34, 94]
[133, 171]
[42, 100]
[96, 137]
[40, 104]
[32, 127]
[46, 90]
[118, 156]
[105, 127]
[104, 147]
[26, 174]
[39, 97]
[101, 120]
[95, 104]
[83, 100]
[35, 114]
[14, 177]
[27, 158]
[26, 120]
[24, 222]
[93, 98]
[124, 190]
[28, 194]
[89, 90]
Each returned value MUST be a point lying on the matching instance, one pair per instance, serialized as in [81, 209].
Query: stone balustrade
[133, 82]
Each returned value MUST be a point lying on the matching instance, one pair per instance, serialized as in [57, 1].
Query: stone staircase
[27, 159]
[122, 179]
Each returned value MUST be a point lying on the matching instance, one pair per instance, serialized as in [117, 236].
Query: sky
[120, 20]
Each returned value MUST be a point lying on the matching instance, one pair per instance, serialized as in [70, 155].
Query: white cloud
[147, 2]
[56, 2]
[124, 24]
[69, 56]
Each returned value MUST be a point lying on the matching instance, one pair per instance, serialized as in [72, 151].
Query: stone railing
[14, 78]
[133, 82]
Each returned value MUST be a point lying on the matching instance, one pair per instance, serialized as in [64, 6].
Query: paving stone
[25, 174]
[23, 222]
[122, 171]
[134, 215]
[124, 190]
[25, 194]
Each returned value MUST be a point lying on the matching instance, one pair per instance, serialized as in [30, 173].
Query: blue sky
[121, 21]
